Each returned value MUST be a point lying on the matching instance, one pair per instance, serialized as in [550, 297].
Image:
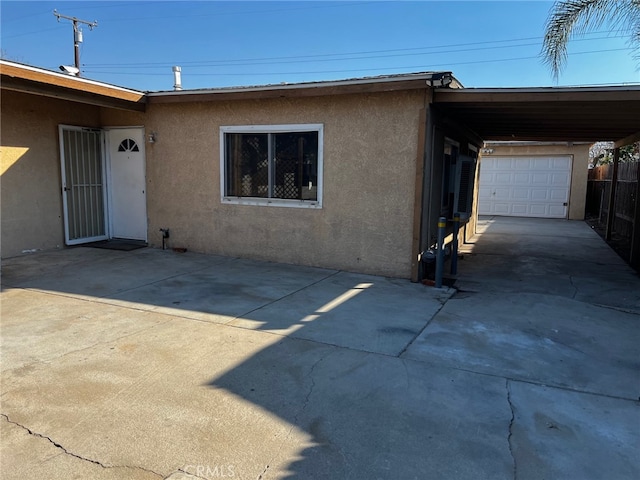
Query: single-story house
[350, 175]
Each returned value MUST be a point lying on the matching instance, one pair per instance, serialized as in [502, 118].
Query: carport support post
[442, 224]
[611, 211]
[454, 249]
[634, 257]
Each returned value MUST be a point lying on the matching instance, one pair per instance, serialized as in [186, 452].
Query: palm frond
[574, 17]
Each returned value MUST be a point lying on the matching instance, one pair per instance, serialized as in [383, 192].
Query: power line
[233, 63]
[6, 37]
[326, 54]
[323, 57]
[197, 15]
[450, 66]
[117, 4]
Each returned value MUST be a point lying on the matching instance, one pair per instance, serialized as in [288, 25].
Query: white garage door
[525, 186]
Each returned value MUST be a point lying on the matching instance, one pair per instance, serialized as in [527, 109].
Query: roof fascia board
[46, 77]
[52, 91]
[578, 94]
[518, 143]
[296, 86]
[367, 85]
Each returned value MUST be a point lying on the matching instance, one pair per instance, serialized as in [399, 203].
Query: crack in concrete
[509, 437]
[306, 402]
[313, 384]
[74, 455]
[263, 472]
[302, 409]
[574, 287]
[290, 294]
[435, 314]
[186, 473]
[618, 309]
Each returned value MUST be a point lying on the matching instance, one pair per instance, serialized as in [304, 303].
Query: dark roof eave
[312, 89]
[38, 81]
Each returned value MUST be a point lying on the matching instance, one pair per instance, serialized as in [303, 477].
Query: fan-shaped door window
[128, 145]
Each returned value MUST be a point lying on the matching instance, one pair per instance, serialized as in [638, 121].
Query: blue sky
[485, 44]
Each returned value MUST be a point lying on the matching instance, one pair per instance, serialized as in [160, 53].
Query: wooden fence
[626, 208]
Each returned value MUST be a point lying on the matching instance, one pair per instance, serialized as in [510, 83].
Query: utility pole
[77, 36]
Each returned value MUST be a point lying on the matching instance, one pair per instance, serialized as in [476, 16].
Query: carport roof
[570, 114]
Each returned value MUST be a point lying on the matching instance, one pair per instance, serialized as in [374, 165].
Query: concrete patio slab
[94, 273]
[221, 292]
[543, 301]
[537, 338]
[333, 311]
[172, 398]
[558, 434]
[38, 327]
[555, 257]
[27, 455]
[144, 401]
[152, 364]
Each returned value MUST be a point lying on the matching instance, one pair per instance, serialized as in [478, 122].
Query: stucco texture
[32, 217]
[365, 223]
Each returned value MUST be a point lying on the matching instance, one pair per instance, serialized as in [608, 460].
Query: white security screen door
[127, 187]
[83, 196]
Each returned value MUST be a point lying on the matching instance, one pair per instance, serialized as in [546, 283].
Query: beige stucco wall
[31, 211]
[365, 224]
[580, 165]
[110, 117]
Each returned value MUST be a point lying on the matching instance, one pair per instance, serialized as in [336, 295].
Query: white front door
[525, 186]
[127, 185]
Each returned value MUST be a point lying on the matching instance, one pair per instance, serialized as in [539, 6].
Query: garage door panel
[560, 179]
[500, 209]
[556, 211]
[501, 193]
[540, 195]
[558, 195]
[538, 210]
[485, 180]
[519, 209]
[522, 178]
[489, 165]
[562, 163]
[521, 194]
[525, 186]
[502, 178]
[539, 164]
[540, 178]
[484, 192]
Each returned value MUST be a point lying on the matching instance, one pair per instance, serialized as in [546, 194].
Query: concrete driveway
[152, 364]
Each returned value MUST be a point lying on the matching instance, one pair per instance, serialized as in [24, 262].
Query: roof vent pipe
[177, 81]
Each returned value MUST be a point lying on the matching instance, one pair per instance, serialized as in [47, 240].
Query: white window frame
[274, 202]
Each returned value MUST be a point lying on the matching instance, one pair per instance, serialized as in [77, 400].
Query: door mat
[118, 244]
